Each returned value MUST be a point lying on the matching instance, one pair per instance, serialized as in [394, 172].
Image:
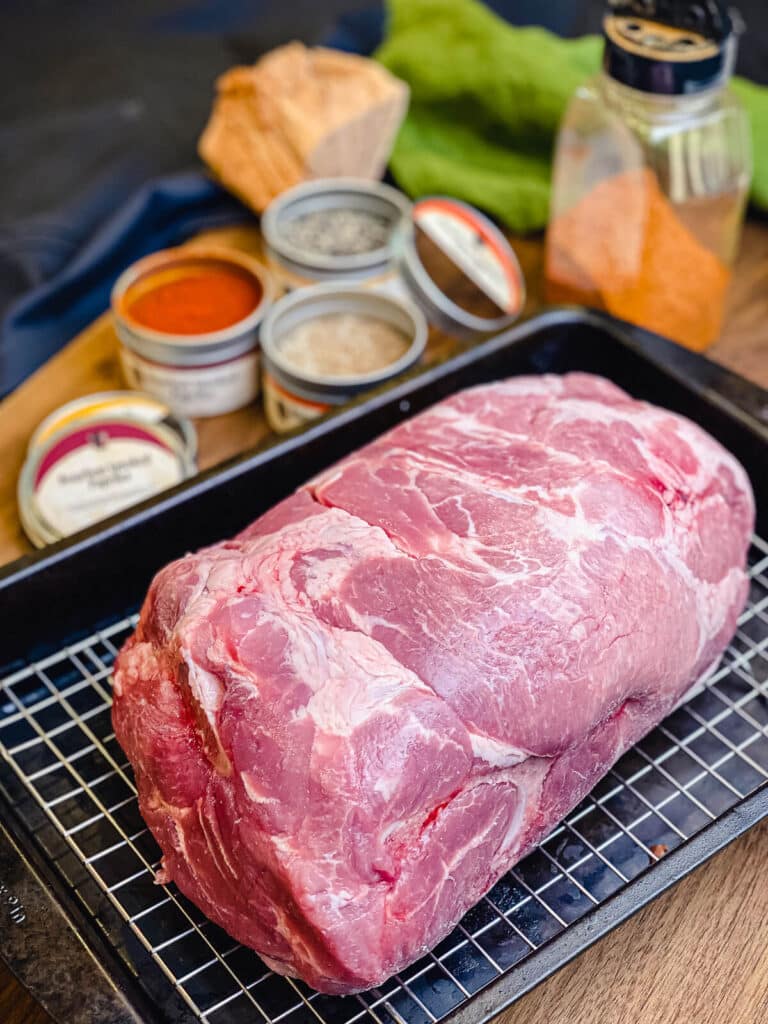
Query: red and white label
[99, 470]
[477, 248]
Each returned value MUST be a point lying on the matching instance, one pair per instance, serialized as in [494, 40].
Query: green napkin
[486, 102]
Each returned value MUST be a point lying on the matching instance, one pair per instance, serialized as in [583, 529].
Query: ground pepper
[624, 248]
[338, 232]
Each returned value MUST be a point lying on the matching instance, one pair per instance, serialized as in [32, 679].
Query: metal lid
[669, 47]
[446, 236]
[121, 405]
[93, 467]
[325, 194]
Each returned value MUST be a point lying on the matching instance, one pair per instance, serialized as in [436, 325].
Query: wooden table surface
[695, 956]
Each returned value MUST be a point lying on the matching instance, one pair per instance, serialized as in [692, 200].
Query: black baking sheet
[68, 805]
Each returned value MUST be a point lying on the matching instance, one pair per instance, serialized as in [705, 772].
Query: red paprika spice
[195, 299]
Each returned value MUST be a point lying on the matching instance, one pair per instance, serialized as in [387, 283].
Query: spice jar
[651, 174]
[325, 344]
[98, 455]
[339, 229]
[188, 321]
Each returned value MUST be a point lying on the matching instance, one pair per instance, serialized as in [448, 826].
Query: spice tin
[202, 374]
[293, 398]
[97, 456]
[459, 268]
[298, 229]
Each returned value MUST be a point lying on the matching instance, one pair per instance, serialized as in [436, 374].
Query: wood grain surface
[695, 956]
[16, 1006]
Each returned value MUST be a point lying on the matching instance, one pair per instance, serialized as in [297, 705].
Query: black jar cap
[668, 47]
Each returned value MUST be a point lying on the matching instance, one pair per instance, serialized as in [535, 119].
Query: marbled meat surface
[350, 720]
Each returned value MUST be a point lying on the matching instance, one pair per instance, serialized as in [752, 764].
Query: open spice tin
[450, 267]
[334, 229]
[195, 374]
[293, 397]
[98, 455]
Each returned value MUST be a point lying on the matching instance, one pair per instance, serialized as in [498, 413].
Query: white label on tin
[455, 233]
[95, 480]
[196, 390]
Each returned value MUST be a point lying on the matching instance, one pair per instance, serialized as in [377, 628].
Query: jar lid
[669, 47]
[460, 268]
[298, 225]
[80, 469]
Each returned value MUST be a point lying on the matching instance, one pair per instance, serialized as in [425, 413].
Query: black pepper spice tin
[295, 264]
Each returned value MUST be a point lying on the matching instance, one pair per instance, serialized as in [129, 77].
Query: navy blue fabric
[162, 213]
[363, 31]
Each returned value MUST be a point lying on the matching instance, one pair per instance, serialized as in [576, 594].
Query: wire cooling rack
[74, 791]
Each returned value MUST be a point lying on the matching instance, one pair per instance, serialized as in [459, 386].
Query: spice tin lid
[333, 227]
[460, 268]
[669, 47]
[121, 405]
[89, 470]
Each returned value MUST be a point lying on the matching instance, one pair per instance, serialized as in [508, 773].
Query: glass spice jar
[651, 175]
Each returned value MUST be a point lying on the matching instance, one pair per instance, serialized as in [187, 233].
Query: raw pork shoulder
[348, 722]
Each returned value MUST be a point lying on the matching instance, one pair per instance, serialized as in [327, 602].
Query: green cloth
[486, 102]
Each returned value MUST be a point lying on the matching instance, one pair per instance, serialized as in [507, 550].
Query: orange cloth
[624, 249]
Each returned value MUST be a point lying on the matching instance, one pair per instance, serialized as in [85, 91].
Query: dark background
[98, 96]
[89, 87]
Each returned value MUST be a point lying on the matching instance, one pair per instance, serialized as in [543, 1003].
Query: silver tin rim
[322, 300]
[181, 425]
[333, 193]
[439, 307]
[191, 349]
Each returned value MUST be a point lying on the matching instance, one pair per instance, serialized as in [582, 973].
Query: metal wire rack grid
[76, 795]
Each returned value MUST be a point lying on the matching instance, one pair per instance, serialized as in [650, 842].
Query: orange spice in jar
[623, 248]
[651, 174]
[197, 299]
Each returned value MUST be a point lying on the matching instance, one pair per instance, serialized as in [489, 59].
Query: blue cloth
[363, 31]
[164, 212]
